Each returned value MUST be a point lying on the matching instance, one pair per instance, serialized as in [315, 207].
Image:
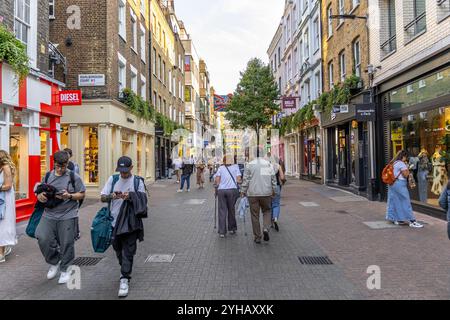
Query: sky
[228, 33]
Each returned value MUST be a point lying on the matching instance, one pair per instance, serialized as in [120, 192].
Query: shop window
[91, 155]
[126, 143]
[2, 115]
[64, 137]
[44, 122]
[46, 151]
[18, 149]
[139, 153]
[426, 136]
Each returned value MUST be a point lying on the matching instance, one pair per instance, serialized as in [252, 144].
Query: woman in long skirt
[7, 206]
[399, 209]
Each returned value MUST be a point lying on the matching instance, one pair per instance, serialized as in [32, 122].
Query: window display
[139, 152]
[18, 149]
[426, 136]
[126, 143]
[64, 137]
[91, 155]
[45, 152]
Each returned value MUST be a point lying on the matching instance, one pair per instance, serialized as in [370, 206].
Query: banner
[221, 102]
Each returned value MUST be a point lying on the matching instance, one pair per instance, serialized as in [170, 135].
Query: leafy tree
[253, 102]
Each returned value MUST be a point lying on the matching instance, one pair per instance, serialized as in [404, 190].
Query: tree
[253, 102]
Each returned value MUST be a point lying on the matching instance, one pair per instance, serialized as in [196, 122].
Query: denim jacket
[444, 201]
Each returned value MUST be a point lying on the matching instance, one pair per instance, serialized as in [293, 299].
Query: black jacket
[130, 216]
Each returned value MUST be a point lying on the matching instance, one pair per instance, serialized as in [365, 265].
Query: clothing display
[422, 175]
[440, 178]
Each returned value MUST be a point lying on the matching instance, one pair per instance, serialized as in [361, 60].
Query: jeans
[276, 204]
[186, 178]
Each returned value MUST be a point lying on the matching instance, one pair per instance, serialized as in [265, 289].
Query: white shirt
[398, 167]
[226, 182]
[122, 185]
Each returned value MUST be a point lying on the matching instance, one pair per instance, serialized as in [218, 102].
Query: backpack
[387, 176]
[102, 229]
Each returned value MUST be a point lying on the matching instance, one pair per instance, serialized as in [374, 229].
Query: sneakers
[179, 191]
[2, 258]
[258, 241]
[188, 190]
[233, 232]
[415, 224]
[53, 271]
[64, 278]
[123, 289]
[222, 236]
[8, 251]
[275, 224]
[266, 235]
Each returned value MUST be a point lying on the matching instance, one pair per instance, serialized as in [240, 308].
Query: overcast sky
[228, 33]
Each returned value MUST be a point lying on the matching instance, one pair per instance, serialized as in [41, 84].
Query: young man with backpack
[57, 229]
[72, 166]
[127, 196]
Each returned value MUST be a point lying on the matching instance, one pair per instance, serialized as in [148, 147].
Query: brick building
[106, 44]
[410, 54]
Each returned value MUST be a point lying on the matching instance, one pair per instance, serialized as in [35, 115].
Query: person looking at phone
[57, 228]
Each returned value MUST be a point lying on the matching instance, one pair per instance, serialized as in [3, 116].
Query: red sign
[70, 98]
[289, 103]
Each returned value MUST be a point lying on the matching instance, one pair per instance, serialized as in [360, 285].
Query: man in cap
[117, 190]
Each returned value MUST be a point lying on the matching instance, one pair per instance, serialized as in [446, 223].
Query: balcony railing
[389, 45]
[56, 58]
[417, 25]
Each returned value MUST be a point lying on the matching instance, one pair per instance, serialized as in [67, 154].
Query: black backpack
[72, 182]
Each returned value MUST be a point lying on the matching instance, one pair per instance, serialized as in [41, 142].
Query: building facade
[30, 111]
[107, 52]
[410, 53]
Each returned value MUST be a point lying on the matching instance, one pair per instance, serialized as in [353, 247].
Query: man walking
[128, 198]
[259, 186]
[187, 169]
[57, 228]
[73, 166]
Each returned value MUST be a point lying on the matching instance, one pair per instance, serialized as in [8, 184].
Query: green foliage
[14, 52]
[253, 103]
[168, 125]
[138, 106]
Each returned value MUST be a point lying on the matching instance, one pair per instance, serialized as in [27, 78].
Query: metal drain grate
[315, 260]
[342, 211]
[86, 261]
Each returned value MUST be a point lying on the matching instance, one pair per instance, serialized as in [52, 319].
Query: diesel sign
[70, 98]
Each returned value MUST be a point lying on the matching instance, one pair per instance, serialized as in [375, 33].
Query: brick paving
[414, 263]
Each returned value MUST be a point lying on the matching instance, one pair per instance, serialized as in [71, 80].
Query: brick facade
[344, 35]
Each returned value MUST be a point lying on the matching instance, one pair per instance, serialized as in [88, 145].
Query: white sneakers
[64, 278]
[2, 258]
[179, 191]
[415, 224]
[8, 251]
[53, 271]
[188, 190]
[123, 289]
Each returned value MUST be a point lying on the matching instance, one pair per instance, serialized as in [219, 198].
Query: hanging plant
[138, 106]
[14, 53]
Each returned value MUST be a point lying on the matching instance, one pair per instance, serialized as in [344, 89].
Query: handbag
[411, 181]
[237, 186]
[34, 221]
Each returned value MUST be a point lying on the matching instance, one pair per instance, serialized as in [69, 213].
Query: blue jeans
[276, 204]
[186, 178]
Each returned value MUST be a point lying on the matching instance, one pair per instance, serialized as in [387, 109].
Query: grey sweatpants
[57, 241]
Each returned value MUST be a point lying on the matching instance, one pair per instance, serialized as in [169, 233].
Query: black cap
[124, 164]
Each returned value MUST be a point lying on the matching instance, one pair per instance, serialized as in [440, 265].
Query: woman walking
[228, 177]
[7, 206]
[201, 173]
[399, 209]
[276, 201]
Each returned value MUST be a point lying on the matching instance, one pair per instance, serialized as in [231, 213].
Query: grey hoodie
[259, 179]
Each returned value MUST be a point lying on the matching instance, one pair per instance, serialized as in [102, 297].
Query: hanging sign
[289, 103]
[70, 98]
[366, 112]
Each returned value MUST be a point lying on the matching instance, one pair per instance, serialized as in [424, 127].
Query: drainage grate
[342, 211]
[86, 261]
[160, 258]
[315, 260]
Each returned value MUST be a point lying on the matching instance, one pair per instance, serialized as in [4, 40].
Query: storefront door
[343, 164]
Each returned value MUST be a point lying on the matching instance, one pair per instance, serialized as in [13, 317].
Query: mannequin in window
[439, 171]
[424, 167]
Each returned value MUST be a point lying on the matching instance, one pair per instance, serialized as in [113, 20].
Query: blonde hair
[5, 159]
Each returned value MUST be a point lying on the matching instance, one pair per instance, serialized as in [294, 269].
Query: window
[143, 46]
[51, 9]
[418, 24]
[180, 88]
[164, 73]
[316, 35]
[22, 22]
[301, 57]
[439, 76]
[19, 151]
[330, 21]
[122, 73]
[143, 87]
[143, 8]
[165, 108]
[318, 84]
[391, 43]
[305, 5]
[154, 99]
[279, 56]
[153, 24]
[164, 40]
[341, 11]
[306, 36]
[90, 136]
[275, 63]
[170, 81]
[122, 20]
[154, 61]
[187, 63]
[443, 10]
[355, 3]
[357, 57]
[294, 57]
[288, 30]
[409, 89]
[342, 65]
[159, 67]
[289, 68]
[330, 75]
[134, 35]
[134, 79]
[159, 104]
[422, 84]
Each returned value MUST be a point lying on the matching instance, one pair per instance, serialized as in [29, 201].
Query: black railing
[56, 58]
[418, 23]
[389, 45]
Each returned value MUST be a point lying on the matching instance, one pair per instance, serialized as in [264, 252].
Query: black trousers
[125, 247]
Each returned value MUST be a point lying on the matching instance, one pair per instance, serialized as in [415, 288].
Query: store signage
[365, 112]
[340, 109]
[91, 80]
[70, 98]
[289, 103]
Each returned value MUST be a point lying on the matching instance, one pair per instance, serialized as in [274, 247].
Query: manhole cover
[345, 199]
[163, 258]
[309, 204]
[315, 260]
[195, 202]
[86, 261]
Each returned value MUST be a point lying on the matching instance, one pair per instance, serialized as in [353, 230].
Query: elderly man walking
[259, 186]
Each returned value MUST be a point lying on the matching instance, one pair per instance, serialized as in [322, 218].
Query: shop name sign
[91, 80]
[70, 98]
[289, 103]
[366, 112]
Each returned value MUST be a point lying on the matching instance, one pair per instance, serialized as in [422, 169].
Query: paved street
[414, 263]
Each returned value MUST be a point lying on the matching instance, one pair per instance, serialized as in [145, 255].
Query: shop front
[101, 131]
[417, 119]
[347, 146]
[291, 150]
[30, 131]
[311, 152]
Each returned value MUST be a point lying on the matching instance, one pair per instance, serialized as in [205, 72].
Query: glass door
[343, 158]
